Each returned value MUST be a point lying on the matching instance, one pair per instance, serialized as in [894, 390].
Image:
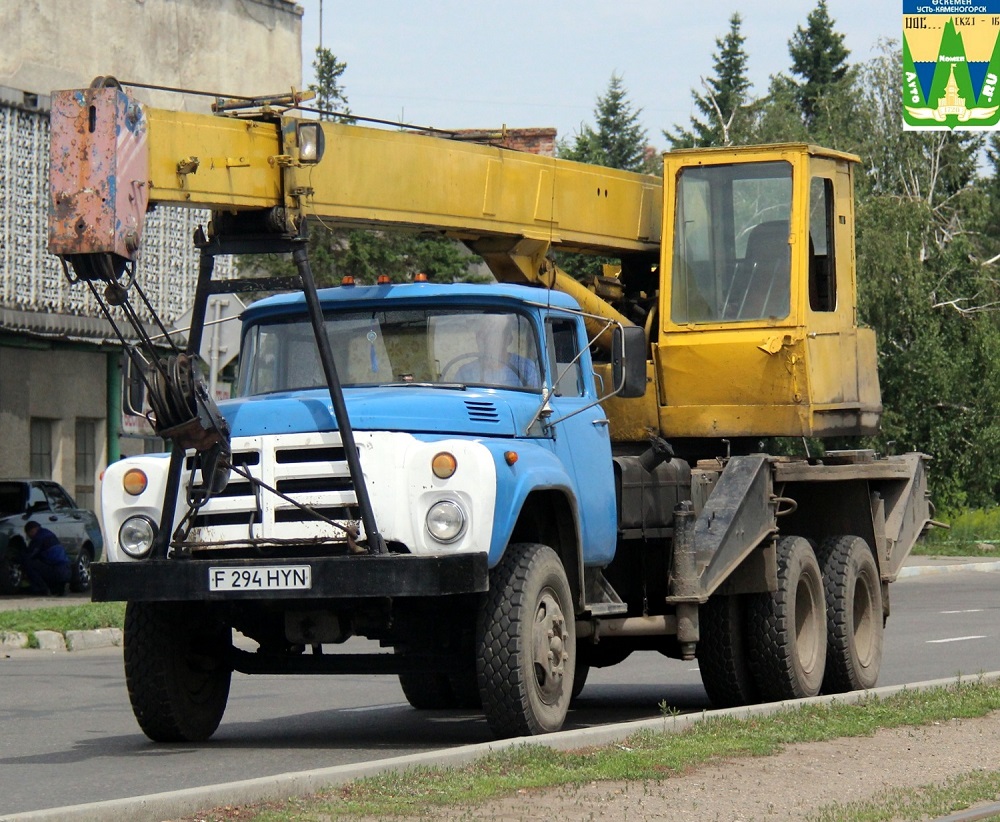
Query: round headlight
[136, 536]
[445, 521]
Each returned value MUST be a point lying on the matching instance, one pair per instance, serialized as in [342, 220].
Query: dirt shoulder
[791, 785]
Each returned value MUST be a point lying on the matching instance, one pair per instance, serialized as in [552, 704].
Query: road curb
[57, 642]
[174, 804]
[916, 570]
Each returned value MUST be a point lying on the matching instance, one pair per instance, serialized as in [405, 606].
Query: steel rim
[549, 654]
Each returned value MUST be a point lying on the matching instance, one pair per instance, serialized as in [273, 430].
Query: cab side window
[564, 351]
[822, 262]
[731, 254]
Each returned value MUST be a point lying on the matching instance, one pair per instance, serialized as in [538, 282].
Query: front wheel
[177, 669]
[11, 575]
[853, 615]
[526, 640]
[788, 627]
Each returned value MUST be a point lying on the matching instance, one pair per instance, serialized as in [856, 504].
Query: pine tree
[619, 141]
[331, 97]
[724, 98]
[819, 57]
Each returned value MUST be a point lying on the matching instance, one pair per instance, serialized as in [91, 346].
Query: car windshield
[403, 346]
[11, 498]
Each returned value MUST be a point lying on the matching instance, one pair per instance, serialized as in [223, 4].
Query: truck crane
[505, 485]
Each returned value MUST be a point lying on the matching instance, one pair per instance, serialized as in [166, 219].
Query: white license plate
[260, 578]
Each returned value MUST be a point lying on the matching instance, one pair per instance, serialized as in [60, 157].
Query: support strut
[301, 259]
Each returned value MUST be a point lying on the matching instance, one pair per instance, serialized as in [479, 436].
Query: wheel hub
[549, 651]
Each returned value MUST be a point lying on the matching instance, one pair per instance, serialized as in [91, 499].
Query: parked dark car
[50, 506]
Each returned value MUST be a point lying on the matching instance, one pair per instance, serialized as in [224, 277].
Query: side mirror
[628, 361]
[133, 389]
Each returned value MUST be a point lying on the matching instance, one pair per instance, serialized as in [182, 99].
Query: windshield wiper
[452, 386]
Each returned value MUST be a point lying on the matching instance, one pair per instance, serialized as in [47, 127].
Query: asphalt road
[69, 736]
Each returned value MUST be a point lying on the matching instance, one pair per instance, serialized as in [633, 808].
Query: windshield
[731, 259]
[405, 346]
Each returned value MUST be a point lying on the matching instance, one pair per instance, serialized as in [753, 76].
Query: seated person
[495, 364]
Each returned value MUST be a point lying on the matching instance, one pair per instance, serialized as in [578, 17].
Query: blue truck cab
[487, 459]
[471, 406]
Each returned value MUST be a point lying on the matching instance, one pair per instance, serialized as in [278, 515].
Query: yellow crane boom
[738, 262]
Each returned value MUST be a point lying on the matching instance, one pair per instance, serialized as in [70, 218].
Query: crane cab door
[841, 357]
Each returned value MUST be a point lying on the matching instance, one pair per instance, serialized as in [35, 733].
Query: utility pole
[321, 23]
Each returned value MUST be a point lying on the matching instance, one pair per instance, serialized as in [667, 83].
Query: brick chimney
[541, 141]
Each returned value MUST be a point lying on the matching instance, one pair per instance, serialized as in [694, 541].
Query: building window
[86, 461]
[41, 448]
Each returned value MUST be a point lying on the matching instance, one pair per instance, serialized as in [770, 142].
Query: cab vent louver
[480, 411]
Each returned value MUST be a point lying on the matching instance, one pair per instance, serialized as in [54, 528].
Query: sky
[469, 64]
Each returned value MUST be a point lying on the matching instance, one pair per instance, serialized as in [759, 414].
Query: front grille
[308, 469]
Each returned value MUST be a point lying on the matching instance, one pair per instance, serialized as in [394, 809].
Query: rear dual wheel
[822, 630]
[723, 652]
[787, 628]
[853, 592]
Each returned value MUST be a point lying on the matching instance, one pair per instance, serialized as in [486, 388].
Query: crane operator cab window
[822, 272]
[731, 256]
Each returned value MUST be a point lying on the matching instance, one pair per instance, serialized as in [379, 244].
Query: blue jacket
[46, 546]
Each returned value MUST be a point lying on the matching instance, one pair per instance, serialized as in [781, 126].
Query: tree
[336, 253]
[724, 98]
[619, 141]
[924, 246]
[331, 97]
[819, 57]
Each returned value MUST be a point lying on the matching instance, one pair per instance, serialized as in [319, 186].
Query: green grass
[64, 618]
[970, 530]
[646, 756]
[929, 801]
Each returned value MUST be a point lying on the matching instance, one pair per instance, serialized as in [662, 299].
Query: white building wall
[242, 47]
[53, 364]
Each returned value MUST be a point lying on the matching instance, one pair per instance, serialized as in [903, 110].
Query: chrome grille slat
[303, 466]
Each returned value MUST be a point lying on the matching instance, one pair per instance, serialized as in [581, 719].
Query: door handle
[601, 422]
